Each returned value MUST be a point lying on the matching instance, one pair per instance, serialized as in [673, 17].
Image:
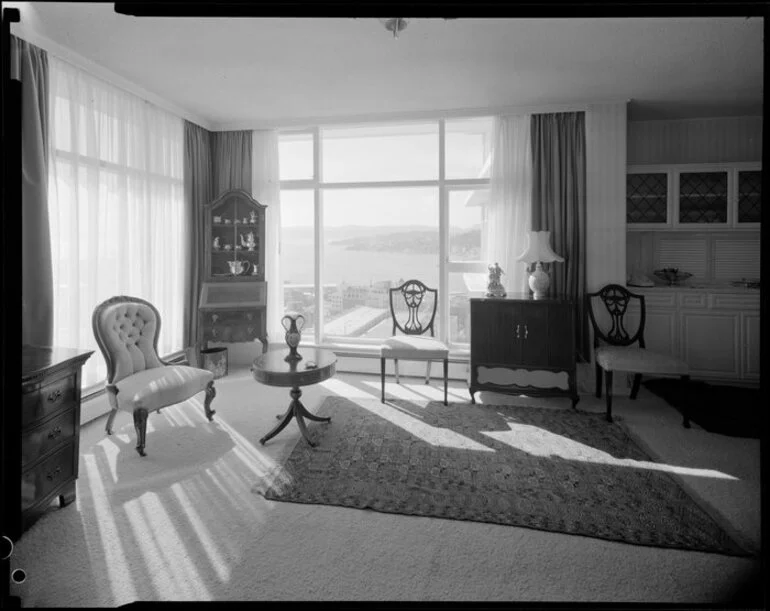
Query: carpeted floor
[560, 471]
[183, 524]
[721, 409]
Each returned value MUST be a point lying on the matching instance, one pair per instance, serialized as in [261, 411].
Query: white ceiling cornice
[410, 116]
[68, 55]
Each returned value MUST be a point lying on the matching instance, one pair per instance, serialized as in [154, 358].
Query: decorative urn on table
[293, 324]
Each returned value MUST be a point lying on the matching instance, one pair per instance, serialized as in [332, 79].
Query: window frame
[442, 184]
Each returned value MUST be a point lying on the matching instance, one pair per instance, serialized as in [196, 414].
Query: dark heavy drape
[231, 157]
[559, 205]
[29, 64]
[198, 191]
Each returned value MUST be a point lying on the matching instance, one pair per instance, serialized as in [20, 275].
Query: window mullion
[443, 227]
[318, 234]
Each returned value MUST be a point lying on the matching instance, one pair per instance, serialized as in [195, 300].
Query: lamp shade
[539, 249]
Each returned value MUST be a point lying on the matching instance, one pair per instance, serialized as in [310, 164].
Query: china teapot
[250, 241]
[238, 267]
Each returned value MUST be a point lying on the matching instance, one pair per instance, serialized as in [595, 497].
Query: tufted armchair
[614, 348]
[127, 329]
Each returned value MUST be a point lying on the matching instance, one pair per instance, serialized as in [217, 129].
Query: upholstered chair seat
[127, 330]
[617, 349]
[639, 360]
[404, 346]
[153, 389]
[406, 302]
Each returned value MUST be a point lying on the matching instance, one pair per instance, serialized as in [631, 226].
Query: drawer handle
[54, 396]
[517, 330]
[54, 433]
[526, 331]
[53, 474]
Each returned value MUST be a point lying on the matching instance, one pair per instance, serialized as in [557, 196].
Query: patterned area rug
[555, 470]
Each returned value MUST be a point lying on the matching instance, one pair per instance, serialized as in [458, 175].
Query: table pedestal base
[298, 411]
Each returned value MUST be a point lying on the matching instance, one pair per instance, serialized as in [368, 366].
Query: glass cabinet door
[647, 198]
[749, 196]
[703, 197]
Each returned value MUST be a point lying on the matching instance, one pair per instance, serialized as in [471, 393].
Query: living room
[300, 131]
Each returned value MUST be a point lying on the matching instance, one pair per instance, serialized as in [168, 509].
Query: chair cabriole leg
[211, 392]
[395, 364]
[598, 381]
[685, 406]
[140, 424]
[608, 391]
[635, 385]
[427, 372]
[382, 379]
[446, 379]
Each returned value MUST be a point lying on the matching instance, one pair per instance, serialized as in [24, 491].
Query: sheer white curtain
[116, 208]
[509, 212]
[266, 190]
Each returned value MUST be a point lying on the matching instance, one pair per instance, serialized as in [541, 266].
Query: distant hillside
[414, 241]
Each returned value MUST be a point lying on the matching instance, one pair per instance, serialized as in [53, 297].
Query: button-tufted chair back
[127, 329]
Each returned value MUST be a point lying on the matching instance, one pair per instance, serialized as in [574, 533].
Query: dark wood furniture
[614, 348]
[273, 369]
[233, 298]
[521, 345]
[45, 466]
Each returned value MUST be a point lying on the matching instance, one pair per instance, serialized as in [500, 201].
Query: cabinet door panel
[660, 329]
[750, 368]
[561, 335]
[710, 343]
[493, 339]
[703, 197]
[533, 321]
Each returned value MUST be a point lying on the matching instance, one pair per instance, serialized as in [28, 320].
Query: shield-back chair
[413, 312]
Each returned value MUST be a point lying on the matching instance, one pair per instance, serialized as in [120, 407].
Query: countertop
[698, 286]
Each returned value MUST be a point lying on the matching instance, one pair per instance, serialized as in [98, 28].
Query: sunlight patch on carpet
[112, 549]
[539, 442]
[207, 542]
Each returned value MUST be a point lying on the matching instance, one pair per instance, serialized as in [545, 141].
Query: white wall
[708, 140]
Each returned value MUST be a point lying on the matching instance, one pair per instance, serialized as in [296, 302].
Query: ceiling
[258, 72]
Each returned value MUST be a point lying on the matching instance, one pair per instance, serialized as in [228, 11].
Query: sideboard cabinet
[233, 296]
[42, 435]
[520, 345]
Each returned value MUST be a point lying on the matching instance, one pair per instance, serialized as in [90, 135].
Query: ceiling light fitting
[395, 25]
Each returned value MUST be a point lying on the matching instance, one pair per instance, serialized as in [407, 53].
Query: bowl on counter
[672, 275]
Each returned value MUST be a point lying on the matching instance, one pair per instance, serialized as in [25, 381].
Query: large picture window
[366, 207]
[116, 208]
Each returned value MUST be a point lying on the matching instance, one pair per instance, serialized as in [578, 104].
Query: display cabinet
[648, 198]
[694, 196]
[233, 297]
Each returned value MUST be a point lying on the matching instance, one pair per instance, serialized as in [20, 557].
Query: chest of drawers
[42, 439]
[523, 346]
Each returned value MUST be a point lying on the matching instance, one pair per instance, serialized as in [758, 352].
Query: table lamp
[539, 251]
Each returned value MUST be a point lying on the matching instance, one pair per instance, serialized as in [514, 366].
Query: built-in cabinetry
[694, 196]
[715, 331]
[233, 298]
[520, 345]
[42, 435]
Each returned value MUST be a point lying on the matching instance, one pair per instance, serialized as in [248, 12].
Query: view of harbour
[358, 271]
